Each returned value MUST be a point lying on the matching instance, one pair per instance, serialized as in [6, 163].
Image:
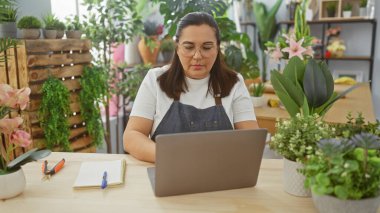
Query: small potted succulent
[149, 45]
[344, 175]
[363, 8]
[347, 10]
[50, 26]
[8, 16]
[30, 27]
[257, 92]
[331, 8]
[74, 28]
[167, 48]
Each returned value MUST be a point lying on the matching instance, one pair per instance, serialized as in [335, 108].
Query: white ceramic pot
[330, 204]
[363, 12]
[259, 101]
[12, 184]
[347, 14]
[293, 180]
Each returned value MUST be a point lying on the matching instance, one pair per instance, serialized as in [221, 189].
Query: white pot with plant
[345, 174]
[295, 140]
[257, 94]
[8, 16]
[12, 178]
[30, 27]
[347, 10]
[363, 8]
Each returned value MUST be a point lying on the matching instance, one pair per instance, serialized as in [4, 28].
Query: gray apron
[186, 118]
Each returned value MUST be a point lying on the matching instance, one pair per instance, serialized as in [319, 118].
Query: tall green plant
[267, 26]
[93, 92]
[53, 113]
[306, 87]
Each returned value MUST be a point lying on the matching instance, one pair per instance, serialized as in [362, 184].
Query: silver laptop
[206, 161]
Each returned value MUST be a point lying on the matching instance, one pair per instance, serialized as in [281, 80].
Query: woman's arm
[246, 125]
[136, 139]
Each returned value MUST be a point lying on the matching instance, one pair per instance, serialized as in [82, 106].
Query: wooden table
[57, 195]
[358, 100]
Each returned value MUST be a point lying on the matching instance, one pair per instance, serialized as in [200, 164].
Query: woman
[197, 92]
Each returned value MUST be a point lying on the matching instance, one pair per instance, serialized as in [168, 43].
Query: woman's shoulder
[157, 71]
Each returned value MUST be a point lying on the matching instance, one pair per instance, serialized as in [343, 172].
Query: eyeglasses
[189, 50]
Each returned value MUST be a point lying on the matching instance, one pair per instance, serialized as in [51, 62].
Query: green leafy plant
[363, 3]
[50, 22]
[267, 27]
[356, 125]
[167, 45]
[306, 87]
[347, 7]
[296, 139]
[59, 25]
[29, 22]
[93, 92]
[8, 14]
[73, 23]
[150, 33]
[257, 90]
[53, 113]
[346, 168]
[6, 43]
[132, 80]
[331, 7]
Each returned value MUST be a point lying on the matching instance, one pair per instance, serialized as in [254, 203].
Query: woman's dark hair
[222, 78]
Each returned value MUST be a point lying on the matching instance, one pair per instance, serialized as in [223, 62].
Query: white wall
[37, 8]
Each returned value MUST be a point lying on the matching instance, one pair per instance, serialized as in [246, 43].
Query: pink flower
[276, 53]
[295, 48]
[21, 138]
[19, 98]
[8, 125]
[5, 93]
[309, 51]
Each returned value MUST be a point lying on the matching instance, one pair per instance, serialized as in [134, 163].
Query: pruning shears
[49, 172]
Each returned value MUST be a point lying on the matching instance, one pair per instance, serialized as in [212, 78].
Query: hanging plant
[53, 114]
[94, 90]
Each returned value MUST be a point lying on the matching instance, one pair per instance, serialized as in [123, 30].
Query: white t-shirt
[152, 103]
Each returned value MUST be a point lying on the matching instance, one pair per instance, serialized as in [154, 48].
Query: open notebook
[91, 173]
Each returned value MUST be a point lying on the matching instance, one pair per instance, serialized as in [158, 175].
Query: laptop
[206, 161]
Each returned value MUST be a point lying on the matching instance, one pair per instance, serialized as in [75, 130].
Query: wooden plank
[34, 104]
[58, 59]
[60, 72]
[3, 71]
[38, 132]
[21, 65]
[70, 84]
[41, 45]
[77, 119]
[91, 149]
[78, 131]
[11, 68]
[81, 143]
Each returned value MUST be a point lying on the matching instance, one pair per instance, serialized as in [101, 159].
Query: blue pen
[104, 180]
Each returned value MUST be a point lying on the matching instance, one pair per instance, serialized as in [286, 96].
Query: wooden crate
[31, 63]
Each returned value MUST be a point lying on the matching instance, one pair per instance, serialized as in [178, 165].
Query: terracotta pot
[12, 184]
[147, 55]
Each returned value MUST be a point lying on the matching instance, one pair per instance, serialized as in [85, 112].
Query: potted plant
[296, 140]
[257, 91]
[345, 174]
[149, 44]
[74, 28]
[363, 8]
[30, 27]
[331, 8]
[347, 10]
[167, 48]
[61, 27]
[50, 28]
[8, 16]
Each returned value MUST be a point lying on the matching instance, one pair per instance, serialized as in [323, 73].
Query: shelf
[335, 21]
[354, 58]
[248, 23]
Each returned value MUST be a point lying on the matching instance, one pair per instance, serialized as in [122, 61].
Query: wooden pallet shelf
[30, 63]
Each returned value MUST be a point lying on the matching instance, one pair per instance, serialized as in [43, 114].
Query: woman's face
[197, 50]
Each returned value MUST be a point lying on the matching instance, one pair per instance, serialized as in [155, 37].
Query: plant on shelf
[345, 174]
[8, 17]
[363, 8]
[61, 27]
[336, 48]
[347, 10]
[363, 3]
[50, 26]
[167, 48]
[92, 94]
[53, 114]
[30, 27]
[74, 27]
[257, 90]
[149, 44]
[331, 8]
